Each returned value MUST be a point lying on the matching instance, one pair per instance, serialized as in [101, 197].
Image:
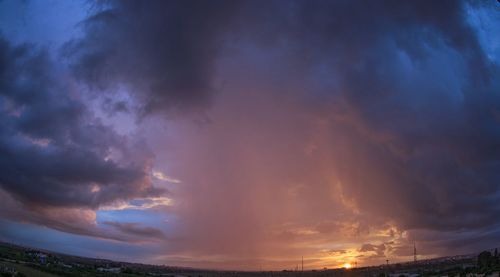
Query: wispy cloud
[161, 176]
[139, 204]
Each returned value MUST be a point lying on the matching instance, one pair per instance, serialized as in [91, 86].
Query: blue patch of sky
[485, 19]
[46, 22]
[151, 218]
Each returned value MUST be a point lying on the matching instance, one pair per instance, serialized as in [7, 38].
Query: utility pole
[302, 263]
[414, 252]
[387, 268]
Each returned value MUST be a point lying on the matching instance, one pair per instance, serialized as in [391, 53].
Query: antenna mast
[414, 252]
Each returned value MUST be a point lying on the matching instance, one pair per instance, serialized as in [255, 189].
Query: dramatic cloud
[333, 130]
[56, 158]
[53, 151]
[163, 50]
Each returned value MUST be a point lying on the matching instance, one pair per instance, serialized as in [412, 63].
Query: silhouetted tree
[484, 260]
[128, 271]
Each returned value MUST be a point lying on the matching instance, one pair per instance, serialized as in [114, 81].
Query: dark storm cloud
[53, 152]
[163, 50]
[429, 139]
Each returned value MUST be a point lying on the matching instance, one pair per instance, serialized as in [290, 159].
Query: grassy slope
[28, 271]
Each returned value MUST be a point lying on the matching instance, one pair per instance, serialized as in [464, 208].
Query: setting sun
[347, 265]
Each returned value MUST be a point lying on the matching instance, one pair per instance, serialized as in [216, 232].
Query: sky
[249, 134]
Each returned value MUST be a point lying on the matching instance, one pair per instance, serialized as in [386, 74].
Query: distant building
[40, 257]
[110, 270]
[8, 270]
